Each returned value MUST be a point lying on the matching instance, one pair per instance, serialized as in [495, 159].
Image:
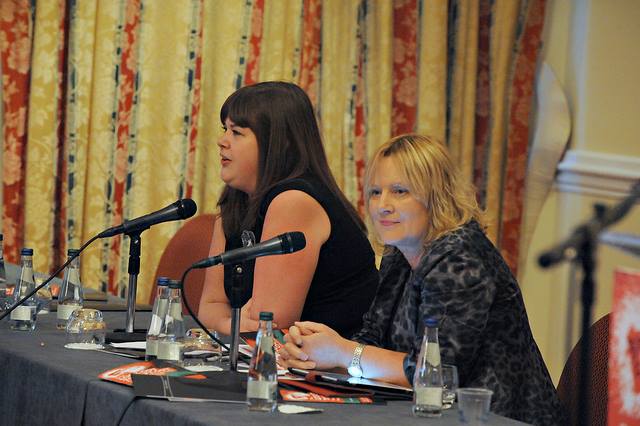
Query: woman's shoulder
[465, 244]
[303, 184]
[467, 254]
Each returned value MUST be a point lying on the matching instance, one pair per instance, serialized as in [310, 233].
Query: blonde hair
[433, 179]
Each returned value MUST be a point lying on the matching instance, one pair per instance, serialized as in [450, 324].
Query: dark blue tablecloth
[41, 383]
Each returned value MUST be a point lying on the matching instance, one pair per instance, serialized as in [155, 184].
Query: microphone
[590, 230]
[288, 242]
[181, 209]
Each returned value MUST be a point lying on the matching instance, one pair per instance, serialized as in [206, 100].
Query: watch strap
[357, 355]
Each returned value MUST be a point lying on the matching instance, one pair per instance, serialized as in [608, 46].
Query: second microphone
[288, 242]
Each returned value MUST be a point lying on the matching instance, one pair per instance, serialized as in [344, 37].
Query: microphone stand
[134, 270]
[581, 246]
[586, 257]
[236, 304]
[129, 333]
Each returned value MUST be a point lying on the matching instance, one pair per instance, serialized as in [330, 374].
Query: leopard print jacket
[463, 281]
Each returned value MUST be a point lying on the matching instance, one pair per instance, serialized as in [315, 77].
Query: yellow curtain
[121, 109]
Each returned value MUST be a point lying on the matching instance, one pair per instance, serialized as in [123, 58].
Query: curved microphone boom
[181, 209]
[288, 242]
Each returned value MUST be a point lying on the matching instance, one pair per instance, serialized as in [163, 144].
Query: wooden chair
[568, 389]
[190, 244]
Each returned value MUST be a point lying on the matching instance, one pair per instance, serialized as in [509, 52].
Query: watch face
[355, 371]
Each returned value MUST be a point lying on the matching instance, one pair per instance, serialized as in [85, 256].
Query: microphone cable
[195, 317]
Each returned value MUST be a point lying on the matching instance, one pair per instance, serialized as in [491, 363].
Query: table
[44, 383]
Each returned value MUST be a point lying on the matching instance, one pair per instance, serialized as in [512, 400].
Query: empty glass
[449, 385]
[86, 329]
[473, 405]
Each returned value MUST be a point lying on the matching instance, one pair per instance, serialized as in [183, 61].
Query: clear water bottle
[427, 381]
[262, 381]
[44, 297]
[171, 337]
[5, 297]
[71, 296]
[23, 317]
[158, 314]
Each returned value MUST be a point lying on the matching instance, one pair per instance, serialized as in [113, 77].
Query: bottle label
[65, 311]
[22, 313]
[261, 389]
[158, 316]
[156, 324]
[169, 351]
[152, 347]
[428, 396]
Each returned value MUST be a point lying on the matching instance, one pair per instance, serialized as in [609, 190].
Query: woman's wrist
[347, 348]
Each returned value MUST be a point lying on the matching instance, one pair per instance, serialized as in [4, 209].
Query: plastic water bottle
[5, 299]
[427, 381]
[71, 295]
[262, 382]
[23, 317]
[171, 337]
[158, 314]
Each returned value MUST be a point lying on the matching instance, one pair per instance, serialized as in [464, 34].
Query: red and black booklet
[158, 379]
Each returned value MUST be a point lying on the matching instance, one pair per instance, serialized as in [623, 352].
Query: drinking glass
[86, 329]
[449, 385]
[474, 405]
[199, 349]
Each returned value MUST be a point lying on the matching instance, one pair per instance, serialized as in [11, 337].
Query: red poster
[624, 350]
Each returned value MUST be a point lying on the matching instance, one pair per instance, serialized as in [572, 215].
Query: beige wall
[592, 46]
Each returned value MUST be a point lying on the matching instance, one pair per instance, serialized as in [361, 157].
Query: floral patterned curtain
[108, 115]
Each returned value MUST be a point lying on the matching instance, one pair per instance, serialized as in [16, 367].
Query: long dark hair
[281, 116]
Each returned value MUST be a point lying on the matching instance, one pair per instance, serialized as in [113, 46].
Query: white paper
[130, 345]
[297, 409]
[201, 368]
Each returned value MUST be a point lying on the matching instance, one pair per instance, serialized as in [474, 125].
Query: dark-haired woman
[278, 180]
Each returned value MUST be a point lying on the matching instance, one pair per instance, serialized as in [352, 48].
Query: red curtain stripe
[518, 131]
[405, 66]
[16, 46]
[253, 55]
[310, 52]
[126, 90]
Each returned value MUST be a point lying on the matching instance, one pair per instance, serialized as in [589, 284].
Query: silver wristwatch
[354, 368]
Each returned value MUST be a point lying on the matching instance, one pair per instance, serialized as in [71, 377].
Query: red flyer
[624, 349]
[298, 396]
[122, 374]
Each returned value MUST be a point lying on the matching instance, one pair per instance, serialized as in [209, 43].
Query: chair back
[190, 244]
[568, 386]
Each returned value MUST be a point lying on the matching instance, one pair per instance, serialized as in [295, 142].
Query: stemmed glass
[449, 385]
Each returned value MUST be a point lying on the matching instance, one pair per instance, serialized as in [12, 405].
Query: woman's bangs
[236, 109]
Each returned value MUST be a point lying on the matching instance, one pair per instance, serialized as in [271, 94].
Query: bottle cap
[163, 281]
[73, 252]
[430, 322]
[175, 284]
[266, 316]
[26, 252]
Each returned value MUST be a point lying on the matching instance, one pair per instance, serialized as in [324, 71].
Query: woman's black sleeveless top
[345, 280]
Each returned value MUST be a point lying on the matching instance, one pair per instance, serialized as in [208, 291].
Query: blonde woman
[437, 263]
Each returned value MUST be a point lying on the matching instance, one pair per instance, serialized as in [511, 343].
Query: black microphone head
[186, 208]
[545, 260]
[293, 241]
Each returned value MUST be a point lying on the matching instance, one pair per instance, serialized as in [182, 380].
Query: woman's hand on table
[310, 345]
